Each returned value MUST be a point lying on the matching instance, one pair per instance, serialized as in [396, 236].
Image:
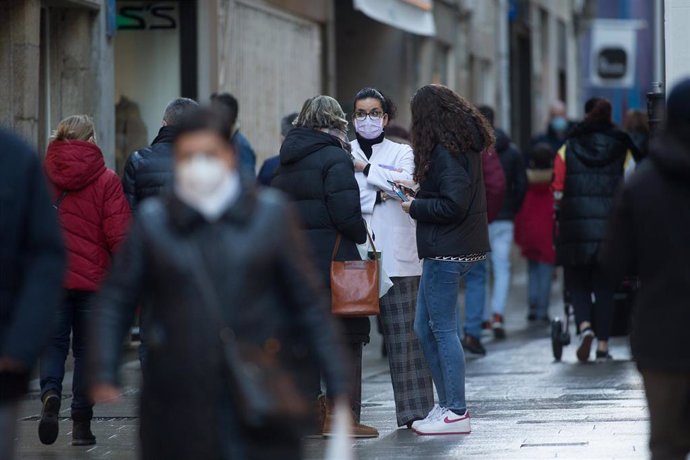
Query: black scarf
[367, 145]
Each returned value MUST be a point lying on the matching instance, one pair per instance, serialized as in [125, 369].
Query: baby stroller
[622, 309]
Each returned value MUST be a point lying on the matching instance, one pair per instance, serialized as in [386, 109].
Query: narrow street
[524, 405]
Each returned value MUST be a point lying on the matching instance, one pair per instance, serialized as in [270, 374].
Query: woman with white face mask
[379, 163]
[221, 267]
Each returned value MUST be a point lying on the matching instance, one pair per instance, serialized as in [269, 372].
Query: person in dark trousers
[317, 173]
[149, 171]
[270, 167]
[557, 130]
[501, 231]
[32, 263]
[94, 216]
[449, 136]
[228, 103]
[179, 253]
[588, 169]
[534, 226]
[648, 237]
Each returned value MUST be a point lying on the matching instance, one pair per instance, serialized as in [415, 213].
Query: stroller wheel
[556, 338]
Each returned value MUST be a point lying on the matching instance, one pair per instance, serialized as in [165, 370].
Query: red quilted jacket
[93, 211]
[534, 223]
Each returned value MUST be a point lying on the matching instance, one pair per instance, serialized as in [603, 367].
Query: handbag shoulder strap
[339, 238]
[57, 202]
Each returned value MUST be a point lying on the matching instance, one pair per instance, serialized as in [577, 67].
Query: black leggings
[582, 282]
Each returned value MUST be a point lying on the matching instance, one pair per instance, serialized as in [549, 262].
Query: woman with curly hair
[448, 138]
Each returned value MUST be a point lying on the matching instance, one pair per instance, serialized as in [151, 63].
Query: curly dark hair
[441, 116]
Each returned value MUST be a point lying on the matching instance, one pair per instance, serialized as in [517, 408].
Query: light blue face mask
[559, 124]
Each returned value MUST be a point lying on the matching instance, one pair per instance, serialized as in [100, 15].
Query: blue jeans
[436, 325]
[73, 317]
[539, 288]
[475, 299]
[501, 237]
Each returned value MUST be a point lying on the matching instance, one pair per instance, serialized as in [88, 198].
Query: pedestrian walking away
[32, 267]
[648, 237]
[534, 226]
[449, 136]
[228, 356]
[231, 106]
[588, 169]
[270, 167]
[379, 163]
[317, 173]
[94, 216]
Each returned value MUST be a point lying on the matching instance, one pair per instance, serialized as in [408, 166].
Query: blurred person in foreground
[32, 265]
[557, 129]
[502, 230]
[588, 170]
[636, 124]
[229, 104]
[230, 290]
[649, 237]
[448, 138]
[379, 162]
[270, 166]
[317, 173]
[534, 232]
[94, 216]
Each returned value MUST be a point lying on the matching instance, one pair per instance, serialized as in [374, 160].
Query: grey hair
[177, 109]
[321, 112]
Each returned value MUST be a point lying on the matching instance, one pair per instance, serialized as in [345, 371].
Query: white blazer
[394, 230]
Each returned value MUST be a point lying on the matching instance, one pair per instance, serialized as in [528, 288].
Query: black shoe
[531, 317]
[473, 345]
[48, 426]
[603, 356]
[586, 339]
[81, 433]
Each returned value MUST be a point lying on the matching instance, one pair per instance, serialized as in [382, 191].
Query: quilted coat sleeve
[116, 213]
[303, 293]
[129, 180]
[342, 200]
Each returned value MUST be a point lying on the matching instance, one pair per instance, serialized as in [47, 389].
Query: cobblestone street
[524, 405]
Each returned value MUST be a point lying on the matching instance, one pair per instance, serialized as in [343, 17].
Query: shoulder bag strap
[339, 238]
[57, 202]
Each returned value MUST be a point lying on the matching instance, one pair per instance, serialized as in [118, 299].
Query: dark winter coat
[93, 211]
[32, 262]
[595, 156]
[245, 152]
[495, 183]
[257, 269]
[551, 137]
[318, 176]
[514, 171]
[150, 171]
[534, 223]
[268, 171]
[450, 208]
[649, 236]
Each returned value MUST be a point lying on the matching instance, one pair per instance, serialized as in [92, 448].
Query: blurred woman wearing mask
[316, 172]
[224, 270]
[448, 138]
[94, 215]
[379, 162]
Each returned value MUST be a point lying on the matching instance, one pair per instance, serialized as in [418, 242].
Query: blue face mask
[559, 124]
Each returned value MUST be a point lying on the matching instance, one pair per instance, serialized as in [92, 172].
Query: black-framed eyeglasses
[361, 115]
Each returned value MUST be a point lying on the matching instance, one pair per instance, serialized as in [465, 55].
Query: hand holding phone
[398, 191]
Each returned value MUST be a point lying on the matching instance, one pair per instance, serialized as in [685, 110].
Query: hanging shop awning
[414, 16]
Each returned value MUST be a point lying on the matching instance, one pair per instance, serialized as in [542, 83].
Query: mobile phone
[398, 191]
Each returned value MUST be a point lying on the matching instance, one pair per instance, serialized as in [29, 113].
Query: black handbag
[265, 393]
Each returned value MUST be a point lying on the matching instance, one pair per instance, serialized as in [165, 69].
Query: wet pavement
[524, 405]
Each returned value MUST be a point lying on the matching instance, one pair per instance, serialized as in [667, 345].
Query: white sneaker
[434, 414]
[447, 423]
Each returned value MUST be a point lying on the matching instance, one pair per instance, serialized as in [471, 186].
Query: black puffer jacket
[149, 171]
[515, 173]
[318, 176]
[595, 156]
[258, 272]
[648, 237]
[450, 208]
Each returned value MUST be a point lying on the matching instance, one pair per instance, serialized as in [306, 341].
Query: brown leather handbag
[354, 285]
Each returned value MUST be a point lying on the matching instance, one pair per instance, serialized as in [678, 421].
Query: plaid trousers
[412, 385]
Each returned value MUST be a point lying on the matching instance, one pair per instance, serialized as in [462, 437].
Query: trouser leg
[668, 397]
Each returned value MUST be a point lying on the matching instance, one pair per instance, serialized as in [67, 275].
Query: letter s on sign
[165, 20]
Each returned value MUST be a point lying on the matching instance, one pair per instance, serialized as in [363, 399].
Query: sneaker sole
[48, 427]
[442, 434]
[585, 349]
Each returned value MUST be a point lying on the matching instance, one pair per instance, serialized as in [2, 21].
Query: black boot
[48, 427]
[81, 430]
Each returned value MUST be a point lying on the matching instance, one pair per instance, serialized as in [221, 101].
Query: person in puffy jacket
[534, 225]
[94, 216]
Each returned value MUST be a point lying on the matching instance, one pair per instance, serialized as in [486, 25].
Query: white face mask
[369, 128]
[207, 185]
